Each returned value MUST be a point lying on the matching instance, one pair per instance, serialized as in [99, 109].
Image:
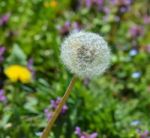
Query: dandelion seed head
[85, 54]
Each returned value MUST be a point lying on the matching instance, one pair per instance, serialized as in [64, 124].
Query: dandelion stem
[47, 130]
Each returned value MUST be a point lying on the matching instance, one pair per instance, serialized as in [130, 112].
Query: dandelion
[18, 73]
[52, 4]
[86, 55]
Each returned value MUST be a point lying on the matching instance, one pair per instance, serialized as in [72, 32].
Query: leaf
[31, 104]
[5, 119]
[106, 28]
[17, 56]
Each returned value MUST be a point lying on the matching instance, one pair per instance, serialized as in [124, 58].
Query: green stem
[58, 109]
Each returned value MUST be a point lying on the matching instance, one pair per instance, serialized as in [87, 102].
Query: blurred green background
[114, 105]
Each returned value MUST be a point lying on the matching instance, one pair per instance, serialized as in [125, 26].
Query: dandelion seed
[85, 54]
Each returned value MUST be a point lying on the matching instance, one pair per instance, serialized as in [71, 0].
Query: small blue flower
[135, 123]
[133, 52]
[136, 75]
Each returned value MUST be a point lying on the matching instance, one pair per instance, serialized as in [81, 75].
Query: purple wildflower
[88, 3]
[136, 74]
[4, 19]
[64, 30]
[106, 10]
[121, 2]
[106, 18]
[30, 66]
[145, 134]
[68, 26]
[147, 48]
[117, 18]
[113, 2]
[48, 113]
[81, 134]
[78, 131]
[147, 19]
[124, 9]
[54, 103]
[94, 135]
[86, 82]
[2, 50]
[98, 2]
[136, 31]
[127, 2]
[2, 96]
[76, 26]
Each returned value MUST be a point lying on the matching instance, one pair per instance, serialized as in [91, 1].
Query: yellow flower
[18, 73]
[52, 4]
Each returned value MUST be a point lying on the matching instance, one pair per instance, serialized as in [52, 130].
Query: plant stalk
[57, 111]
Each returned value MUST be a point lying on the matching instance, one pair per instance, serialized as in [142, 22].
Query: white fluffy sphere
[85, 54]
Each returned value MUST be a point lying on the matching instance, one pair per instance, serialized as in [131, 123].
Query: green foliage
[17, 56]
[109, 104]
